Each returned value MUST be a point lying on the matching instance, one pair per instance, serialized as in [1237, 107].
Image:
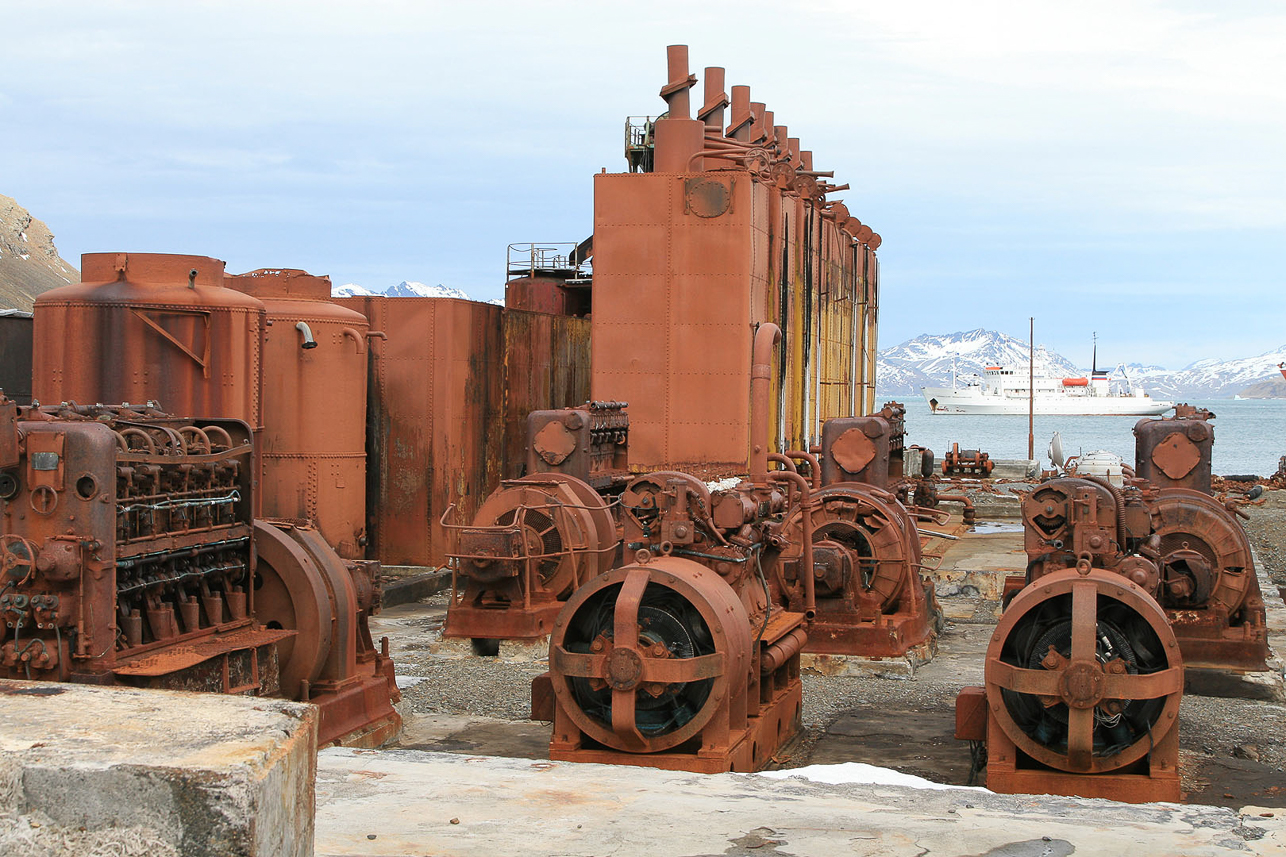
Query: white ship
[1005, 391]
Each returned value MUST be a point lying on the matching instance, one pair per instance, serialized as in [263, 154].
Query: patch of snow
[859, 772]
[22, 236]
[405, 681]
[497, 301]
[24, 256]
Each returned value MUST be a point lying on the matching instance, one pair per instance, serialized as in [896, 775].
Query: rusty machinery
[869, 596]
[1150, 581]
[537, 538]
[971, 462]
[131, 555]
[680, 659]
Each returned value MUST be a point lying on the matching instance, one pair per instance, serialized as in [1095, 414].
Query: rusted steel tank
[151, 327]
[314, 374]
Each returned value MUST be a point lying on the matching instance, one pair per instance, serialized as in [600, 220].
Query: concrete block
[405, 802]
[129, 771]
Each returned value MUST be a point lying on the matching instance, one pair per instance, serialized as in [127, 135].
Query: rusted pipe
[970, 514]
[715, 100]
[742, 118]
[781, 459]
[359, 341]
[307, 333]
[815, 466]
[675, 91]
[782, 650]
[806, 533]
[766, 337]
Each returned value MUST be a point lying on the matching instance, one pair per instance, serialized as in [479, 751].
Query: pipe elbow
[306, 335]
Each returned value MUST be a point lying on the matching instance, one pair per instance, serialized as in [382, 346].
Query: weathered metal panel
[15, 356]
[449, 396]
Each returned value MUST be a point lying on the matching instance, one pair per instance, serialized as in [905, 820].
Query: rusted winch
[537, 538]
[130, 553]
[1182, 547]
[1083, 683]
[679, 659]
[531, 543]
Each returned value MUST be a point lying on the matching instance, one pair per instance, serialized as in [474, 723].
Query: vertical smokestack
[806, 161]
[742, 119]
[675, 91]
[678, 137]
[716, 99]
[770, 130]
[781, 136]
[792, 147]
[759, 130]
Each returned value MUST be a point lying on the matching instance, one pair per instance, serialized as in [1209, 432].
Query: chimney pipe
[742, 119]
[679, 138]
[715, 100]
[766, 337]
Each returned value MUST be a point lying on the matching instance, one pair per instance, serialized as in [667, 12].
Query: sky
[1114, 167]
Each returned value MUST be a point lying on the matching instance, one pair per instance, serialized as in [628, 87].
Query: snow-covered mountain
[404, 289]
[1221, 379]
[927, 361]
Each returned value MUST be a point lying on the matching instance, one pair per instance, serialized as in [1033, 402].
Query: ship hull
[944, 400]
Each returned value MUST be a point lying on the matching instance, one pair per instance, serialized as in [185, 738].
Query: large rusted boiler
[680, 659]
[180, 336]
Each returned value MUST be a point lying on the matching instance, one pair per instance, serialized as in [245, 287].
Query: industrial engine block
[130, 553]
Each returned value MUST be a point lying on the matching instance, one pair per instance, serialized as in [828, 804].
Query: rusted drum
[1204, 554]
[313, 446]
[565, 529]
[645, 656]
[864, 544]
[1083, 673]
[150, 326]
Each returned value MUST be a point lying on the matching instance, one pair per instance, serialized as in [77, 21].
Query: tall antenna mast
[1094, 359]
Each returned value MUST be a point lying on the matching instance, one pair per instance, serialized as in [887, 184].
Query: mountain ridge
[930, 359]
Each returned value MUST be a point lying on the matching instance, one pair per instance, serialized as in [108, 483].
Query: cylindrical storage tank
[155, 326]
[313, 448]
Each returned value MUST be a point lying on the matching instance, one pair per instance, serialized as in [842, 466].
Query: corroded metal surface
[1174, 452]
[449, 396]
[870, 597]
[313, 447]
[531, 543]
[1084, 677]
[680, 659]
[176, 335]
[731, 228]
[130, 553]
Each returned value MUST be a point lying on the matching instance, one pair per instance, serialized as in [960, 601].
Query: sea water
[1250, 434]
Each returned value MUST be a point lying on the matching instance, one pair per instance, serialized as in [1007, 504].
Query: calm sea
[1250, 435]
